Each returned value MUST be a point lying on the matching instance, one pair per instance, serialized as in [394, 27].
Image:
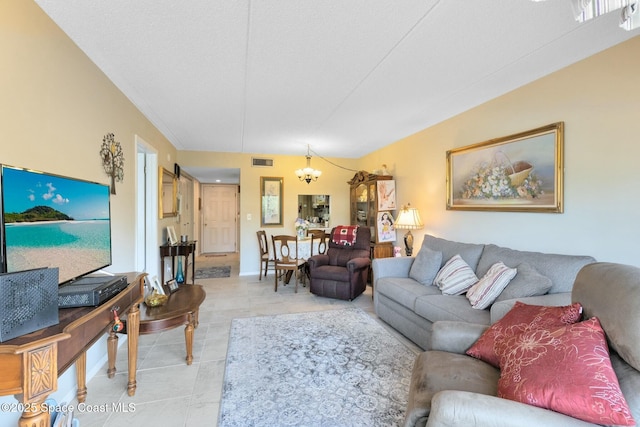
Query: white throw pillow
[455, 277]
[484, 293]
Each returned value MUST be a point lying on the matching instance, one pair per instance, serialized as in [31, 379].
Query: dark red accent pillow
[522, 318]
[566, 369]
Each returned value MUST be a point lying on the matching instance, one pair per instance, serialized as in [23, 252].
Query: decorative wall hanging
[271, 194]
[516, 173]
[386, 195]
[112, 160]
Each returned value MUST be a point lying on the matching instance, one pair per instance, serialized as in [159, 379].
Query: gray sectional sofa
[405, 299]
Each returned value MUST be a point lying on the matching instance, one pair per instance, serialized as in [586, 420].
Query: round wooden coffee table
[181, 309]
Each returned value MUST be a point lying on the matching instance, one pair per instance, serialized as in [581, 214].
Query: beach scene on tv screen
[53, 221]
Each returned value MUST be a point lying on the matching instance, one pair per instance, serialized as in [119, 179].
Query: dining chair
[265, 259]
[285, 250]
[318, 236]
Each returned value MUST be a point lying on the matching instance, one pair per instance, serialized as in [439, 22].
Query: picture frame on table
[271, 199]
[172, 237]
[155, 285]
[516, 173]
[171, 286]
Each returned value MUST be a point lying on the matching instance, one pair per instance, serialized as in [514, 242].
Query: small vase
[179, 272]
[301, 233]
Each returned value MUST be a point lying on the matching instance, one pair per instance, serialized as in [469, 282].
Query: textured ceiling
[344, 76]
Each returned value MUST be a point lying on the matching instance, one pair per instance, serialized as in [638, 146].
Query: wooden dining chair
[265, 259]
[318, 236]
[285, 250]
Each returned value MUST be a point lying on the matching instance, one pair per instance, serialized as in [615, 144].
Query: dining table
[305, 252]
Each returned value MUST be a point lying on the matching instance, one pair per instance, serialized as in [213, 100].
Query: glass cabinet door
[362, 205]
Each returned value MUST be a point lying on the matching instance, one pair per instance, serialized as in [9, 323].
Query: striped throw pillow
[455, 277]
[484, 293]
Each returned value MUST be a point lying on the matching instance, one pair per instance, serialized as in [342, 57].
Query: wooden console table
[181, 309]
[31, 364]
[179, 249]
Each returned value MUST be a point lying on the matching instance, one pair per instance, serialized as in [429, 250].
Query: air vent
[266, 163]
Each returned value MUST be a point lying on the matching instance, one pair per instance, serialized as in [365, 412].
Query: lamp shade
[409, 219]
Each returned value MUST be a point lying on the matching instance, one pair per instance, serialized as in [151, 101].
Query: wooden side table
[31, 364]
[181, 309]
[185, 249]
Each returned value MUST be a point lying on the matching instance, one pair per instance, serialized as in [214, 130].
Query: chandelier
[308, 173]
[585, 10]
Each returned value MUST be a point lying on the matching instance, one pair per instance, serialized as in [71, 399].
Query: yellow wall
[599, 101]
[55, 108]
[332, 182]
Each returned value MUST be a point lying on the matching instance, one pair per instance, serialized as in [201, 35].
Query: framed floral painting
[516, 173]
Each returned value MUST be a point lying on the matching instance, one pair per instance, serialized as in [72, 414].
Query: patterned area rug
[213, 272]
[328, 368]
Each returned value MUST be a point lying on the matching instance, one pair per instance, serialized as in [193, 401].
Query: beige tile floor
[170, 393]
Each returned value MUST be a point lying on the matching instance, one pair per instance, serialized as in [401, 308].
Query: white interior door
[219, 212]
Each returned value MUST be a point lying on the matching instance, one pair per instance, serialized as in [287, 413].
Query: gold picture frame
[517, 173]
[271, 196]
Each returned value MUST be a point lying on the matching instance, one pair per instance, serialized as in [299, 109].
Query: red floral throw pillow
[521, 318]
[565, 369]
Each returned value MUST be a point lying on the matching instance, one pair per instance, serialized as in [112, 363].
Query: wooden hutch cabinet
[364, 209]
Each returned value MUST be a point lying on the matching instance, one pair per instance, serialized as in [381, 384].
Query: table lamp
[408, 219]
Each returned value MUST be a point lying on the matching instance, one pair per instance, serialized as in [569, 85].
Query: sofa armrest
[391, 267]
[319, 260]
[355, 264]
[499, 309]
[462, 408]
[455, 337]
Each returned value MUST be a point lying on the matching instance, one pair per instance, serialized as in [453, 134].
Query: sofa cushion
[455, 277]
[450, 307]
[403, 290]
[629, 380]
[435, 371]
[561, 269]
[528, 282]
[426, 266]
[484, 293]
[470, 252]
[331, 272]
[610, 292]
[521, 319]
[565, 369]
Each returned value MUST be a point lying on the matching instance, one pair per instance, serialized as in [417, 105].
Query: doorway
[219, 218]
[146, 208]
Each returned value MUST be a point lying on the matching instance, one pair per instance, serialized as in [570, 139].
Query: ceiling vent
[257, 161]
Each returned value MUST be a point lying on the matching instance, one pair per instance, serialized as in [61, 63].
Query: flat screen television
[54, 221]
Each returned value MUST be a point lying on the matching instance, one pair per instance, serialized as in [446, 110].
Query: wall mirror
[315, 208]
[167, 194]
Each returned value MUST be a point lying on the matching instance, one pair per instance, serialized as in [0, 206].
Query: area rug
[328, 368]
[213, 272]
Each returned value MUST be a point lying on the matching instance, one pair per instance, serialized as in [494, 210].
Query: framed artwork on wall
[516, 173]
[386, 195]
[386, 229]
[271, 194]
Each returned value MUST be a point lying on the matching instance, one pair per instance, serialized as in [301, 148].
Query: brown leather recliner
[343, 270]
